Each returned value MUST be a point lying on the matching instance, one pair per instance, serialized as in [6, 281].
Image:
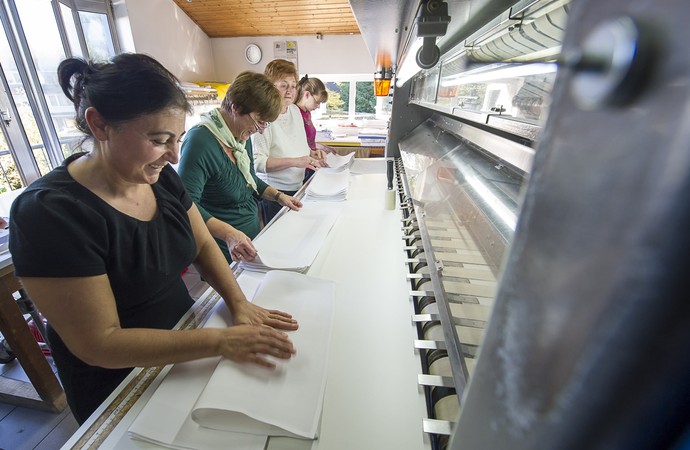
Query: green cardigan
[217, 186]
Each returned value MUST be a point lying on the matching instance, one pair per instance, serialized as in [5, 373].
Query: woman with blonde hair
[281, 152]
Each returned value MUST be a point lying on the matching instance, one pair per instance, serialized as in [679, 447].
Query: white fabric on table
[201, 404]
[337, 163]
[293, 241]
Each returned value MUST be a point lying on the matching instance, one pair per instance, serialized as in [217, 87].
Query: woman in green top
[217, 166]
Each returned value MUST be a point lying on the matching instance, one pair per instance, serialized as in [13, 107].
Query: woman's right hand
[291, 202]
[253, 343]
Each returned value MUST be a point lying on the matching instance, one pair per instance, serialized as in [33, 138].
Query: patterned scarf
[214, 121]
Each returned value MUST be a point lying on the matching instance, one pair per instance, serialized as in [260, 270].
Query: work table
[372, 398]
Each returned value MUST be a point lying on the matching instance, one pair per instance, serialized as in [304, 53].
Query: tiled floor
[26, 429]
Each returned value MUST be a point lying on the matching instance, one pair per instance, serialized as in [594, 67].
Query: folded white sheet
[293, 241]
[337, 163]
[204, 403]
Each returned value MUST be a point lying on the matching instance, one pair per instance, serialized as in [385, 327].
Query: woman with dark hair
[281, 152]
[99, 242]
[217, 167]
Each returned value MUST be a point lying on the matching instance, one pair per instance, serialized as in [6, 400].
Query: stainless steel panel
[587, 343]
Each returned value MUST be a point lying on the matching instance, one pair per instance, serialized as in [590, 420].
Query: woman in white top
[281, 153]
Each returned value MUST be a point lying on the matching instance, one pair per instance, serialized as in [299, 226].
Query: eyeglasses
[260, 125]
[283, 86]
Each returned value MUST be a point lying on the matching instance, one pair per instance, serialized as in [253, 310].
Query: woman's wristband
[276, 196]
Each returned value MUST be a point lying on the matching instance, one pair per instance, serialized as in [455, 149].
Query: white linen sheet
[166, 418]
[293, 241]
[285, 401]
[336, 162]
[203, 403]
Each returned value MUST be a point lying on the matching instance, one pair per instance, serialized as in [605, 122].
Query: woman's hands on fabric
[289, 201]
[308, 162]
[240, 246]
[320, 156]
[252, 343]
[247, 313]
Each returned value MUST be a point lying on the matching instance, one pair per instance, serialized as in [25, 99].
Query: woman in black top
[99, 243]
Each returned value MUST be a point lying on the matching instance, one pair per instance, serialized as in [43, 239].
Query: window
[71, 30]
[38, 131]
[99, 41]
[351, 103]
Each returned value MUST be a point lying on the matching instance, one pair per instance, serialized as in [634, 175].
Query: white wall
[334, 54]
[161, 29]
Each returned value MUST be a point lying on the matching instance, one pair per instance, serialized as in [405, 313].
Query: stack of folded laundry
[327, 185]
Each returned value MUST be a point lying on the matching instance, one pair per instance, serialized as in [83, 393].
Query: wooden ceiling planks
[234, 18]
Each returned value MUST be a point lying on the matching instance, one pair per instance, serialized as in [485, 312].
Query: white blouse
[285, 138]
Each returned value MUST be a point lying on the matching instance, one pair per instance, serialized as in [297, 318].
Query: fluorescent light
[408, 67]
[507, 71]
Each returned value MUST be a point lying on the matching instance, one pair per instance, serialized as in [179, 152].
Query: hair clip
[304, 79]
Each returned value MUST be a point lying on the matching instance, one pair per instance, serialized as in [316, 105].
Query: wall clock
[252, 53]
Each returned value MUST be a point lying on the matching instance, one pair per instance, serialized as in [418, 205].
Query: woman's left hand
[248, 313]
[320, 156]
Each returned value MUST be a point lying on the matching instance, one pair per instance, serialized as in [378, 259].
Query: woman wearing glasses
[217, 169]
[282, 151]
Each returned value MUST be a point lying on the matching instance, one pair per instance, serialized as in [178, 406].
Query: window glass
[9, 176]
[43, 37]
[97, 34]
[27, 120]
[365, 101]
[338, 103]
[42, 34]
[71, 29]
